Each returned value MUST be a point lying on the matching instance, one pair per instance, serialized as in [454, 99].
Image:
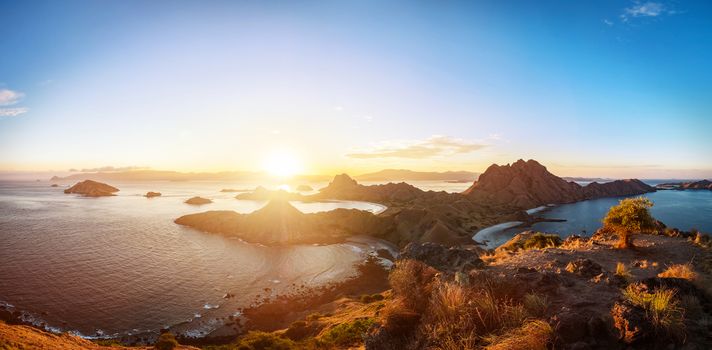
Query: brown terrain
[533, 292]
[90, 188]
[501, 194]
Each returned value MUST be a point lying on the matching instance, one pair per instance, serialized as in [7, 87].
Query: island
[90, 188]
[198, 201]
[151, 194]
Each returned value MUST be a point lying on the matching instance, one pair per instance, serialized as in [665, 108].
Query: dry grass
[679, 271]
[533, 335]
[622, 271]
[536, 304]
[661, 307]
[412, 281]
[457, 316]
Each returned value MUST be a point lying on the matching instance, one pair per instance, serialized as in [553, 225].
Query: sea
[685, 210]
[115, 266]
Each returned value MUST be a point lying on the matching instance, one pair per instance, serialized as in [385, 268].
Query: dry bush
[679, 271]
[412, 281]
[457, 317]
[661, 307]
[397, 319]
[533, 335]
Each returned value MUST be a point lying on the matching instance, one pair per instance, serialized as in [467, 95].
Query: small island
[198, 201]
[151, 194]
[90, 188]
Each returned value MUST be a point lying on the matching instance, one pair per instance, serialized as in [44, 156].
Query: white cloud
[645, 9]
[13, 112]
[608, 22]
[433, 146]
[9, 97]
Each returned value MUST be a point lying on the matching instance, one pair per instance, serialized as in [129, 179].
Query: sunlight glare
[282, 164]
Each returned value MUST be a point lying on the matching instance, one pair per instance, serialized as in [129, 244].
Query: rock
[631, 323]
[584, 267]
[90, 188]
[198, 201]
[304, 188]
[150, 194]
[443, 258]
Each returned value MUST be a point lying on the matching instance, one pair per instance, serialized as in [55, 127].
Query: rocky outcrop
[90, 188]
[451, 259]
[151, 194]
[280, 223]
[198, 201]
[526, 185]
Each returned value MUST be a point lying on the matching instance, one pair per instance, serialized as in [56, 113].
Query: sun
[282, 164]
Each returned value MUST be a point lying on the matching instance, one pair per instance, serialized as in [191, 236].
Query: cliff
[90, 188]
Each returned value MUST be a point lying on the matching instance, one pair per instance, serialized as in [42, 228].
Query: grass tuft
[661, 307]
[679, 271]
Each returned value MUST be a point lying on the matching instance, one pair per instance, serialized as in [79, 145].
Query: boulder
[584, 267]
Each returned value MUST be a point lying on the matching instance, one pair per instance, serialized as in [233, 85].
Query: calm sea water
[682, 209]
[119, 265]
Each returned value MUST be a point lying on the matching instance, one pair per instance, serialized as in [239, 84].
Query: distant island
[410, 175]
[693, 185]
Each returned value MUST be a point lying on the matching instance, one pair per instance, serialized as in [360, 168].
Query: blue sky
[589, 88]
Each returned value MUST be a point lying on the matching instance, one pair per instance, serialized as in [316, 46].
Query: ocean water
[681, 209]
[119, 265]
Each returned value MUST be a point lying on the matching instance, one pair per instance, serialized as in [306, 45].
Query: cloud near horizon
[13, 112]
[108, 169]
[436, 145]
[8, 98]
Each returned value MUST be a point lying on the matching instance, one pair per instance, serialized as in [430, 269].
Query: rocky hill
[280, 223]
[90, 188]
[526, 185]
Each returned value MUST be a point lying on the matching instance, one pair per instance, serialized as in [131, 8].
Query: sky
[588, 88]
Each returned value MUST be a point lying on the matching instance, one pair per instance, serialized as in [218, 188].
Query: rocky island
[151, 194]
[198, 201]
[90, 188]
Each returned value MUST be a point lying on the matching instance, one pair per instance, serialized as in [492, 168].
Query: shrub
[534, 335]
[542, 240]
[631, 215]
[661, 308]
[166, 341]
[349, 333]
[366, 299]
[679, 271]
[536, 304]
[412, 280]
[298, 330]
[256, 340]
